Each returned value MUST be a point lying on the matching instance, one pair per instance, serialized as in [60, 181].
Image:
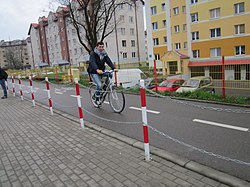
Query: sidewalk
[37, 149]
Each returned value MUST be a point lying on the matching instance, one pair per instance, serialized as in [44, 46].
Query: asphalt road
[207, 133]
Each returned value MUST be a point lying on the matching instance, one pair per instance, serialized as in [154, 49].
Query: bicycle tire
[116, 100]
[92, 90]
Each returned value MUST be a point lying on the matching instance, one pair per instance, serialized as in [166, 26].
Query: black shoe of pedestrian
[4, 97]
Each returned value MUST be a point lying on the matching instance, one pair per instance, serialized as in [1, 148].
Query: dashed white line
[221, 125]
[150, 111]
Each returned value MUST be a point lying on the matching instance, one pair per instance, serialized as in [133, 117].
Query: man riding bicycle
[97, 60]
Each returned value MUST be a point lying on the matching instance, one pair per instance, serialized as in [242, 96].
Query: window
[215, 52]
[131, 19]
[153, 10]
[183, 9]
[154, 25]
[177, 46]
[194, 17]
[133, 54]
[240, 50]
[132, 32]
[124, 55]
[120, 6]
[122, 18]
[123, 31]
[157, 56]
[132, 43]
[239, 29]
[155, 41]
[214, 13]
[184, 27]
[196, 53]
[239, 8]
[215, 32]
[195, 35]
[176, 10]
[163, 6]
[165, 39]
[124, 43]
[130, 7]
[164, 23]
[185, 45]
[194, 1]
[176, 28]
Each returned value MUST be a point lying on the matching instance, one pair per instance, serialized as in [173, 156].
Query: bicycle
[116, 98]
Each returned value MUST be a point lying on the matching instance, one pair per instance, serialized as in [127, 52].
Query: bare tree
[93, 19]
[13, 61]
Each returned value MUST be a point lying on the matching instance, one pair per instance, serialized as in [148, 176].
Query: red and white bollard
[13, 86]
[78, 96]
[20, 87]
[144, 120]
[49, 97]
[32, 92]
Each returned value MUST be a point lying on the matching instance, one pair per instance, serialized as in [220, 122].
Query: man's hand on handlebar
[99, 71]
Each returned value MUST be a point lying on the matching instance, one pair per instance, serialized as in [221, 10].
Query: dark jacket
[3, 74]
[96, 63]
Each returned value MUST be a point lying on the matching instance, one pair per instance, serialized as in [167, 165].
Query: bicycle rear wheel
[92, 90]
[116, 100]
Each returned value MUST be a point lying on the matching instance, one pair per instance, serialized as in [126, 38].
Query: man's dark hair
[99, 43]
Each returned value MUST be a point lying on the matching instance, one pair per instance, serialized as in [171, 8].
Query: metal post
[223, 78]
[20, 87]
[78, 96]
[155, 76]
[32, 92]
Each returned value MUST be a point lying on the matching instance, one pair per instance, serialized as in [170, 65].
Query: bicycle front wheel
[92, 90]
[116, 100]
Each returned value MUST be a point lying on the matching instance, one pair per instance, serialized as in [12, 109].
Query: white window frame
[215, 52]
[163, 6]
[195, 35]
[184, 27]
[193, 1]
[124, 55]
[238, 29]
[176, 28]
[237, 8]
[185, 45]
[184, 9]
[132, 31]
[123, 31]
[177, 46]
[194, 17]
[154, 26]
[133, 54]
[164, 23]
[216, 31]
[157, 56]
[241, 50]
[122, 18]
[165, 39]
[214, 13]
[131, 19]
[196, 53]
[153, 10]
[155, 41]
[132, 43]
[176, 10]
[124, 43]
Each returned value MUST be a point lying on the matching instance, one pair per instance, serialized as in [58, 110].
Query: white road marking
[75, 96]
[221, 125]
[150, 111]
[106, 102]
[59, 93]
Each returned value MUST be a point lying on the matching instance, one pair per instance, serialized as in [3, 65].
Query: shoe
[4, 97]
[97, 101]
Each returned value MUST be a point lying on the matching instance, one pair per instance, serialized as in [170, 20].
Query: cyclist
[98, 58]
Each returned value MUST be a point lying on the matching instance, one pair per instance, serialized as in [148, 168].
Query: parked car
[170, 85]
[197, 83]
[150, 82]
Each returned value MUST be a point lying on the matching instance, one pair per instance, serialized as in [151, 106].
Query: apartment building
[55, 41]
[190, 34]
[15, 54]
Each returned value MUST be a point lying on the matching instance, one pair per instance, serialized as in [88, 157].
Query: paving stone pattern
[37, 149]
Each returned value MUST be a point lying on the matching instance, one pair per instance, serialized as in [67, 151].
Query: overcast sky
[16, 16]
